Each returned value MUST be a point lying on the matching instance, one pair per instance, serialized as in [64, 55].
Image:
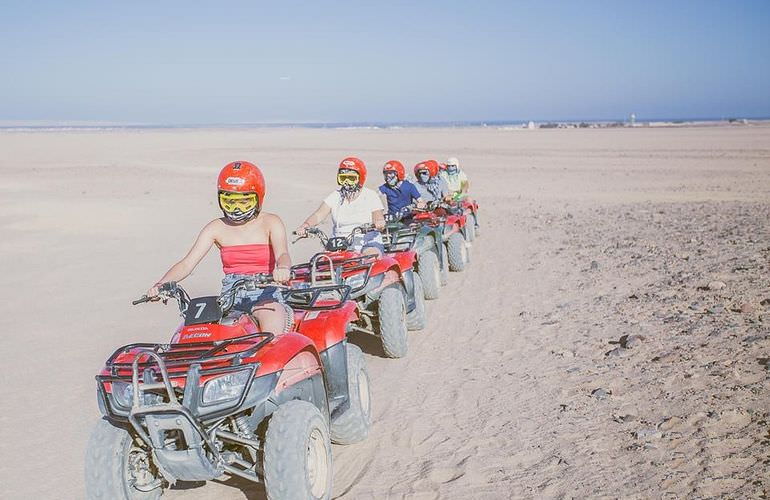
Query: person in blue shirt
[399, 192]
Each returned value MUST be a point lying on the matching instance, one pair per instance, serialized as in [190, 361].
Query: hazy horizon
[343, 62]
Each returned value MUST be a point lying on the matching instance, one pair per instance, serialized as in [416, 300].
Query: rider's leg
[271, 316]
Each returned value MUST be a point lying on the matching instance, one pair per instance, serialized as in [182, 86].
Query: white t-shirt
[346, 215]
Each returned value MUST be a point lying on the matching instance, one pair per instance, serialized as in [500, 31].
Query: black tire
[418, 318]
[106, 466]
[297, 453]
[475, 221]
[429, 270]
[444, 266]
[392, 321]
[470, 228]
[457, 252]
[353, 425]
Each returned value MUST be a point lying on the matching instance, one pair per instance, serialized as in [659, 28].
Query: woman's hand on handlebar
[281, 274]
[154, 291]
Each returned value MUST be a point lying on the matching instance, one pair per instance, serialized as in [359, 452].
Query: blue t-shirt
[400, 196]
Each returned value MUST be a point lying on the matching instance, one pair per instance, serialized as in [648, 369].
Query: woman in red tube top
[250, 242]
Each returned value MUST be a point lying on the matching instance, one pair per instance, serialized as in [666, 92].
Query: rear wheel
[457, 252]
[353, 425]
[392, 320]
[116, 468]
[430, 272]
[297, 453]
[418, 318]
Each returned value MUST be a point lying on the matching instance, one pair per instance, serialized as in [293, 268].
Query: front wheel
[457, 252]
[117, 468]
[353, 425]
[470, 228]
[418, 318]
[392, 319]
[297, 453]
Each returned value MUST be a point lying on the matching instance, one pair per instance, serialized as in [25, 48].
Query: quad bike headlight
[123, 393]
[225, 387]
[356, 281]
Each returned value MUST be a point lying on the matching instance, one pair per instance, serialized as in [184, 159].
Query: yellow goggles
[349, 178]
[230, 202]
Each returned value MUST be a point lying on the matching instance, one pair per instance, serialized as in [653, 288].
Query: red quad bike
[385, 311]
[226, 399]
[471, 210]
[402, 232]
[456, 232]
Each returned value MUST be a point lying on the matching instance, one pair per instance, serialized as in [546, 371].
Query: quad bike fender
[335, 364]
[408, 280]
[283, 348]
[405, 259]
[302, 378]
[384, 264]
[327, 328]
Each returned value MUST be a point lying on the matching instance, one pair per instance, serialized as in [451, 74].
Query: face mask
[452, 169]
[391, 179]
[423, 176]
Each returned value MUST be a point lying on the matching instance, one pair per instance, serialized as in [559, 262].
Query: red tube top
[247, 259]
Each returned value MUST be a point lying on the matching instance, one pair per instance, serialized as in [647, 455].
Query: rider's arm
[415, 193]
[317, 217]
[465, 184]
[184, 267]
[280, 245]
[378, 219]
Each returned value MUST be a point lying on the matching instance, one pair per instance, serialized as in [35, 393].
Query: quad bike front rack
[171, 421]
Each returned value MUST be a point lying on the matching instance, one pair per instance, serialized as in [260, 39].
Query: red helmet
[430, 165]
[353, 163]
[242, 177]
[241, 189]
[395, 166]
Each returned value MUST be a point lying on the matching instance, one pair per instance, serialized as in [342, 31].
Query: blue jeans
[246, 300]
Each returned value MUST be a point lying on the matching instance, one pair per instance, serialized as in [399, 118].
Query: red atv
[224, 398]
[388, 292]
[457, 232]
[471, 211]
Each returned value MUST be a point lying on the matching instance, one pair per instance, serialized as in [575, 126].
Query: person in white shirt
[351, 205]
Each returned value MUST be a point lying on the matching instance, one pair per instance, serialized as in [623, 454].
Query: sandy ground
[582, 354]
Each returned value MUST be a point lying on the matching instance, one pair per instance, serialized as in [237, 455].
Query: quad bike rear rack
[400, 240]
[307, 298]
[322, 268]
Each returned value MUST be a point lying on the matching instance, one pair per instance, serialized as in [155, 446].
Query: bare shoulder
[272, 220]
[213, 228]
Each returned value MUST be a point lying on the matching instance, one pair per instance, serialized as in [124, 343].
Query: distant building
[531, 125]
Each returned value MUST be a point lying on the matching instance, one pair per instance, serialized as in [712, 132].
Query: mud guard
[335, 363]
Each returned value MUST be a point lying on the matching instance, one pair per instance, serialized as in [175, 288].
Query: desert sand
[582, 354]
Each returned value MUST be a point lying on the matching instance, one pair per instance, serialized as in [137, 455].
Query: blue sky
[291, 61]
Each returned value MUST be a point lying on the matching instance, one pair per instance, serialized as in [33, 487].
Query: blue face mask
[452, 169]
[391, 179]
[423, 177]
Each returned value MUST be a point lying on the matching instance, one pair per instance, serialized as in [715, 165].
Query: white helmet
[453, 162]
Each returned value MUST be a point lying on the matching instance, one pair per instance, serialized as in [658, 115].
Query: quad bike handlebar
[335, 243]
